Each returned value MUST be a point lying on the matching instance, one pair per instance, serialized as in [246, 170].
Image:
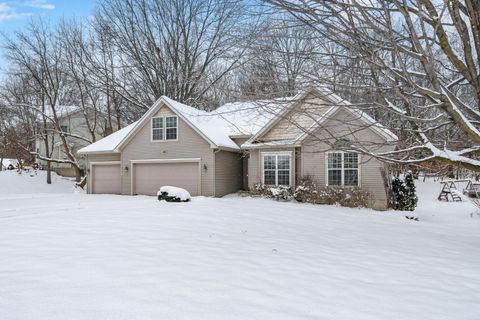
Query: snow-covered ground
[68, 255]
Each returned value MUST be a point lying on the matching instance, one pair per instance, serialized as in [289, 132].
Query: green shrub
[404, 193]
[165, 196]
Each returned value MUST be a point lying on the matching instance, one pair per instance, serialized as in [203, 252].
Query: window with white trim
[171, 128]
[342, 169]
[164, 128]
[157, 128]
[276, 169]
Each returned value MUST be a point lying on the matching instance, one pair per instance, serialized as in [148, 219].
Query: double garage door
[147, 178]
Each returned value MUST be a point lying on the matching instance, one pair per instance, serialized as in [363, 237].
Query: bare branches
[178, 48]
[420, 58]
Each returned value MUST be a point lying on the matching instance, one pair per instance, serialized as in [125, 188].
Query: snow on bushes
[274, 192]
[281, 192]
[352, 197]
[173, 194]
[307, 191]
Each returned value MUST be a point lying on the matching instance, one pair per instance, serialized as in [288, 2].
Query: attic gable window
[164, 128]
[157, 128]
[171, 128]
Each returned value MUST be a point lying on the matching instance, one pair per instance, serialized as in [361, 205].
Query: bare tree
[178, 48]
[37, 54]
[281, 57]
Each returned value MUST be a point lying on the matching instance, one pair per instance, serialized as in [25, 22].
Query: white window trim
[164, 129]
[278, 153]
[359, 183]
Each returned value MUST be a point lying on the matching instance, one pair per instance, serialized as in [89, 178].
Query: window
[64, 128]
[157, 128]
[276, 169]
[164, 128]
[171, 128]
[342, 169]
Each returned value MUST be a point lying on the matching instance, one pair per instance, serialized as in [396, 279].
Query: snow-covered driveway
[76, 256]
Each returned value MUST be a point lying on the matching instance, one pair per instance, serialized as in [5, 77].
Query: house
[240, 145]
[78, 130]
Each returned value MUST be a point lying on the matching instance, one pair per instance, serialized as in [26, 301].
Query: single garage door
[106, 179]
[149, 177]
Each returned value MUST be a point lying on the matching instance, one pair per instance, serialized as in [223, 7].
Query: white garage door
[149, 177]
[106, 179]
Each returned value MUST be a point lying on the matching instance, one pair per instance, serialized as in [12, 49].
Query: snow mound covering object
[173, 192]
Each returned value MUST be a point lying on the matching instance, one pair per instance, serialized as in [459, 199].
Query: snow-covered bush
[353, 197]
[273, 192]
[308, 191]
[173, 194]
[404, 193]
[258, 190]
[280, 193]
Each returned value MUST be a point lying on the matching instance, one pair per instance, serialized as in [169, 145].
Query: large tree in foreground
[421, 60]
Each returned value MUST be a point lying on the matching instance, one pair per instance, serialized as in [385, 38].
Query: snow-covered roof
[220, 126]
[213, 126]
[110, 142]
[247, 118]
[215, 129]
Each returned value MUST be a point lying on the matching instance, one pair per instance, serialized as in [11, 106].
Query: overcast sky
[15, 14]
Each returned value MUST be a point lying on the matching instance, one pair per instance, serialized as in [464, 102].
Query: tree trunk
[77, 174]
[49, 173]
[82, 183]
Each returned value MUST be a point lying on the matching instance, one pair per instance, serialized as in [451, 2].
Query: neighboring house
[72, 121]
[240, 145]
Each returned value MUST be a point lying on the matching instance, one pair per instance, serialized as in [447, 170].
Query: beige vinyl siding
[344, 125]
[240, 141]
[228, 172]
[100, 157]
[255, 165]
[297, 121]
[189, 145]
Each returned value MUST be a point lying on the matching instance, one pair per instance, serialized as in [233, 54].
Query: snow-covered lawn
[67, 255]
